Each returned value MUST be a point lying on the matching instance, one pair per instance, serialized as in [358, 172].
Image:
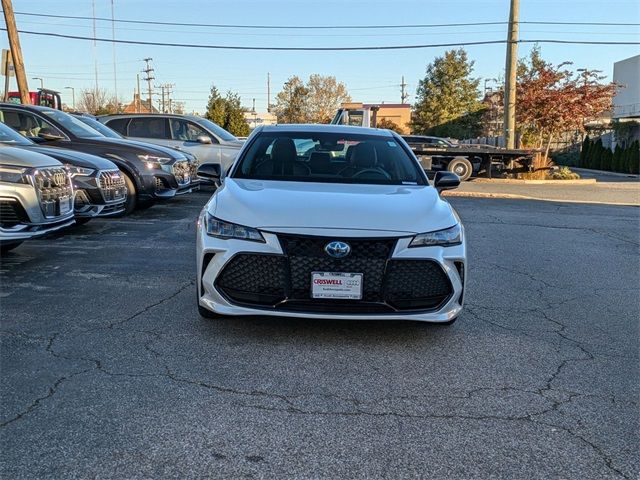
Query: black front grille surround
[12, 213]
[283, 282]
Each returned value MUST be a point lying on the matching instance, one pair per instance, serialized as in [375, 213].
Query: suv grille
[54, 189]
[112, 185]
[182, 172]
[284, 281]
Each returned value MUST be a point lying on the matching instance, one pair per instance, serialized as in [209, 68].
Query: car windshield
[72, 124]
[9, 136]
[329, 157]
[217, 130]
[96, 125]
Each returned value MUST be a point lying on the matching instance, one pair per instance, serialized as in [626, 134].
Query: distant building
[255, 119]
[626, 103]
[140, 106]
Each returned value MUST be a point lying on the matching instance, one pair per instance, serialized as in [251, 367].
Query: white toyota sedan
[327, 221]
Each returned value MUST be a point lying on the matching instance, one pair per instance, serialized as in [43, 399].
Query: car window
[186, 131]
[71, 123]
[118, 124]
[217, 130]
[10, 137]
[100, 127]
[149, 127]
[28, 124]
[328, 157]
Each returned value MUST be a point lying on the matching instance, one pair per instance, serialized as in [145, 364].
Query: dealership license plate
[339, 286]
[65, 205]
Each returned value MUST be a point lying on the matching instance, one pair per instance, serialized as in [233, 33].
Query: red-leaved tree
[551, 99]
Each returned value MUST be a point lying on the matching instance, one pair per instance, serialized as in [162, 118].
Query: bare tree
[97, 102]
[313, 102]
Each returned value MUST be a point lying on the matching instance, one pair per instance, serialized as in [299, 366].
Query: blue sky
[369, 76]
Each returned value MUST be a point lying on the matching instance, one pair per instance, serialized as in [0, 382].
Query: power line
[318, 27]
[328, 49]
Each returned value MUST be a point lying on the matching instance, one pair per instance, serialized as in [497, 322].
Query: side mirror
[446, 181]
[204, 139]
[210, 171]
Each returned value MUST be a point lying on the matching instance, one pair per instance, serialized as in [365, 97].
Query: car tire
[132, 198]
[82, 220]
[461, 167]
[8, 246]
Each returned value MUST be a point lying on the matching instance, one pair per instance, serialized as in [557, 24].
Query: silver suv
[36, 196]
[208, 142]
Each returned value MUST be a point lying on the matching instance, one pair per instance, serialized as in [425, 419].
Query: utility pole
[510, 76]
[268, 93]
[95, 45]
[137, 96]
[161, 102]
[16, 52]
[113, 52]
[167, 92]
[404, 96]
[149, 78]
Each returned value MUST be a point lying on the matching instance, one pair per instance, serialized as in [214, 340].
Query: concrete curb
[510, 196]
[603, 172]
[513, 181]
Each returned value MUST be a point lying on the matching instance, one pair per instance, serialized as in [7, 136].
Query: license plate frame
[337, 285]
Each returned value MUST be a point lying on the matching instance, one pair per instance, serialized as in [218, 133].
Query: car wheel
[5, 247]
[132, 198]
[461, 167]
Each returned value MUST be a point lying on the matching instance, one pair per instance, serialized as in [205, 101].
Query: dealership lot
[108, 371]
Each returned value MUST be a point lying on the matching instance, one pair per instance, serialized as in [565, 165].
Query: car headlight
[442, 238]
[79, 171]
[12, 174]
[221, 229]
[153, 161]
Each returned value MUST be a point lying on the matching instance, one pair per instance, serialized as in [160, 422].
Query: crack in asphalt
[359, 408]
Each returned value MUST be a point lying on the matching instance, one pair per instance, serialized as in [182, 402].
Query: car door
[153, 129]
[191, 137]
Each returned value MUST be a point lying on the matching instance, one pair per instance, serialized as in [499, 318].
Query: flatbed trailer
[466, 161]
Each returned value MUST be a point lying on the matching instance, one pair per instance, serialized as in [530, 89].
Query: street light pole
[41, 82]
[73, 96]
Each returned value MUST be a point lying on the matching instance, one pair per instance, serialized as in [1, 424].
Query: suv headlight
[442, 238]
[153, 161]
[12, 174]
[221, 229]
[79, 171]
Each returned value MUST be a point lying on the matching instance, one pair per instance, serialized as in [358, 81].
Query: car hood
[78, 159]
[282, 206]
[139, 147]
[24, 158]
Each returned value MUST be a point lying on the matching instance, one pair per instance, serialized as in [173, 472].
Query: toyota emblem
[337, 249]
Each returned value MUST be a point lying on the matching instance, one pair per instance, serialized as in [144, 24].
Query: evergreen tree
[448, 98]
[227, 112]
[216, 107]
[584, 152]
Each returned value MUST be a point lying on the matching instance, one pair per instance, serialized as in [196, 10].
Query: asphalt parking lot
[109, 372]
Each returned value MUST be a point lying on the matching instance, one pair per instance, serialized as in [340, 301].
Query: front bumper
[214, 254]
[100, 195]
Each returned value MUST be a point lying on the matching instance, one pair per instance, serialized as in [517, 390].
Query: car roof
[150, 115]
[319, 128]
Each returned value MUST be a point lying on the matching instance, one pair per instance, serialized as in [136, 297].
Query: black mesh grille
[307, 255]
[285, 280]
[254, 278]
[12, 213]
[416, 284]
